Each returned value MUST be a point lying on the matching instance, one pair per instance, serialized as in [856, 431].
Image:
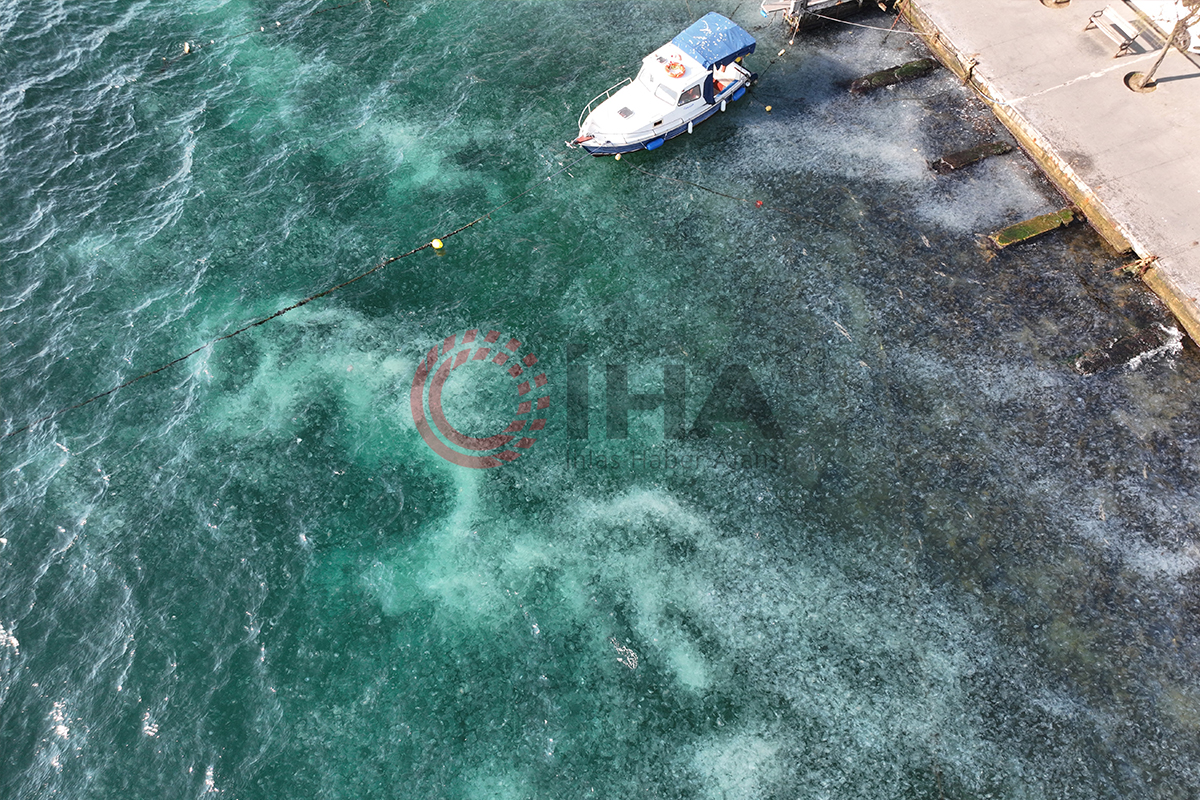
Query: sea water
[916, 555]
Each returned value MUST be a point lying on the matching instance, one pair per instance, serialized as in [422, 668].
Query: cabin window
[689, 95]
[664, 93]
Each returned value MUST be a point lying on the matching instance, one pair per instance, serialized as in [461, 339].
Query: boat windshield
[648, 77]
[666, 94]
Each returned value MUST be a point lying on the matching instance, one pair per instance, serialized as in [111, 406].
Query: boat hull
[655, 140]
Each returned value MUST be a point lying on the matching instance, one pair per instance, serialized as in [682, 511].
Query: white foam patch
[1088, 510]
[477, 570]
[493, 782]
[744, 765]
[1172, 346]
[840, 139]
[10, 652]
[883, 136]
[419, 154]
[295, 368]
[837, 145]
[446, 570]
[1160, 562]
[702, 606]
[8, 640]
[982, 198]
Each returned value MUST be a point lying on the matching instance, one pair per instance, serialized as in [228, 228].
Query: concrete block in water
[892, 75]
[1024, 231]
[963, 158]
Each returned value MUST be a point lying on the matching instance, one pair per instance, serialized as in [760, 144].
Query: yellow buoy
[437, 244]
[768, 109]
[617, 156]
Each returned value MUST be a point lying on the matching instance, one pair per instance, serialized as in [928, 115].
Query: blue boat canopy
[714, 40]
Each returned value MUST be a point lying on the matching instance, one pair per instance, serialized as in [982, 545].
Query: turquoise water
[960, 569]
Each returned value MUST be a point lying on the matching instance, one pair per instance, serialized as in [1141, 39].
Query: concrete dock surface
[1130, 161]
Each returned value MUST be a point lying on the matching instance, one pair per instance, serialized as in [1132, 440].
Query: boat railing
[600, 98]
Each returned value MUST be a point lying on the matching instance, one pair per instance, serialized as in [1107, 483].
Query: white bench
[1114, 26]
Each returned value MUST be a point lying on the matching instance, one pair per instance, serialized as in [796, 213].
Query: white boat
[680, 85]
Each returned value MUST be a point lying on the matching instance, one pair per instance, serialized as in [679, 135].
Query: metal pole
[1144, 82]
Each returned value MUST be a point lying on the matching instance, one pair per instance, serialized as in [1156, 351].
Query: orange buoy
[675, 69]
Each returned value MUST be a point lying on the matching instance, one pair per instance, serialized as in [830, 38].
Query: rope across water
[294, 306]
[757, 203]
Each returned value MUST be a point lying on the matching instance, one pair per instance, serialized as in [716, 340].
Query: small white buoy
[187, 48]
[617, 156]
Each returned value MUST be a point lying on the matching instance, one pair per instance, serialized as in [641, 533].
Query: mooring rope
[392, 259]
[757, 203]
[870, 27]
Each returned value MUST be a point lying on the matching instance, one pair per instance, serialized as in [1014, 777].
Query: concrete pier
[1129, 161]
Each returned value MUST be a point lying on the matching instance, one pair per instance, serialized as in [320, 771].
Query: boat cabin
[680, 84]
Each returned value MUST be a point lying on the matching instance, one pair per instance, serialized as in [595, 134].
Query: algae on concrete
[1024, 231]
[908, 71]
